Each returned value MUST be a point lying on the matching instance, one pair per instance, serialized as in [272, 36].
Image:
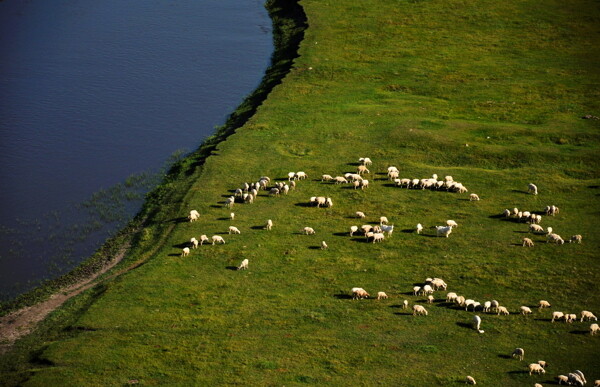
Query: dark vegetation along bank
[490, 93]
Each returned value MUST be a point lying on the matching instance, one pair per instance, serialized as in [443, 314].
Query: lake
[95, 98]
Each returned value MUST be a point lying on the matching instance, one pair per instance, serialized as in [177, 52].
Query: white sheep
[494, 305]
[451, 223]
[438, 283]
[328, 202]
[229, 202]
[362, 169]
[586, 314]
[382, 296]
[269, 225]
[430, 299]
[356, 184]
[291, 176]
[193, 216]
[234, 230]
[340, 180]
[486, 306]
[194, 243]
[416, 290]
[594, 328]
[360, 214]
[527, 242]
[532, 189]
[536, 229]
[323, 245]
[419, 310]
[419, 228]
[365, 161]
[378, 237]
[544, 304]
[301, 175]
[450, 297]
[576, 239]
[392, 169]
[405, 304]
[569, 318]
[443, 231]
[388, 229]
[353, 229]
[474, 197]
[427, 289]
[536, 368]
[308, 230]
[518, 353]
[383, 220]
[503, 310]
[562, 379]
[185, 252]
[575, 380]
[557, 316]
[203, 238]
[326, 178]
[470, 380]
[359, 293]
[525, 310]
[477, 323]
[243, 265]
[217, 239]
[364, 184]
[506, 213]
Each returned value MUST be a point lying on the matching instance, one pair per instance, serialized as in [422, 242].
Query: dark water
[92, 92]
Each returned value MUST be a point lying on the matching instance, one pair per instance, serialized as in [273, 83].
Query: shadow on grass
[497, 216]
[396, 306]
[521, 232]
[403, 314]
[361, 240]
[408, 230]
[174, 255]
[354, 164]
[342, 296]
[388, 184]
[181, 219]
[518, 372]
[578, 332]
[182, 245]
[314, 247]
[520, 191]
[223, 218]
[516, 244]
[216, 206]
[502, 356]
[467, 200]
[542, 319]
[341, 234]
[464, 325]
[257, 227]
[234, 268]
[304, 204]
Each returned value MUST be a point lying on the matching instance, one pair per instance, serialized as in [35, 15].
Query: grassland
[406, 83]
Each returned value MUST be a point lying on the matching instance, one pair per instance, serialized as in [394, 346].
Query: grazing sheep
[576, 239]
[536, 229]
[362, 169]
[416, 290]
[365, 161]
[308, 230]
[430, 299]
[468, 303]
[537, 385]
[269, 225]
[378, 237]
[569, 318]
[392, 169]
[486, 306]
[359, 293]
[543, 364]
[291, 176]
[353, 229]
[518, 353]
[356, 184]
[388, 229]
[320, 200]
[328, 202]
[473, 197]
[494, 305]
[594, 328]
[393, 175]
[218, 239]
[419, 310]
[588, 315]
[532, 189]
[243, 265]
[405, 304]
[536, 368]
[185, 252]
[419, 228]
[340, 180]
[557, 316]
[506, 213]
[562, 379]
[383, 220]
[527, 242]
[231, 216]
[427, 289]
[575, 380]
[301, 175]
[503, 310]
[451, 223]
[581, 376]
[274, 191]
[360, 214]
[326, 178]
[544, 304]
[552, 237]
[234, 230]
[323, 245]
[364, 184]
[470, 380]
[438, 283]
[450, 297]
[382, 296]
[597, 383]
[477, 323]
[203, 238]
[525, 310]
[229, 202]
[194, 243]
[443, 231]
[193, 216]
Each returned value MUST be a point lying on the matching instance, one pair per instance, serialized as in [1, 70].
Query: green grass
[406, 83]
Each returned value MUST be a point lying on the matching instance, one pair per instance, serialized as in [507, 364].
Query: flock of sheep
[376, 233]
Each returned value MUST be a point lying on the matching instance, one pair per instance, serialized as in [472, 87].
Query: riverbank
[480, 95]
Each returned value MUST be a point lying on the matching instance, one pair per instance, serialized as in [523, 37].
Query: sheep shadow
[257, 227]
[466, 200]
[503, 356]
[181, 219]
[174, 255]
[314, 247]
[342, 296]
[497, 216]
[341, 234]
[234, 268]
[403, 314]
[216, 206]
[354, 164]
[304, 204]
[396, 306]
[408, 230]
[521, 232]
[224, 219]
[516, 244]
[380, 179]
[520, 191]
[518, 372]
[579, 332]
[543, 319]
[408, 293]
[182, 245]
[361, 240]
[430, 236]
[464, 325]
[593, 186]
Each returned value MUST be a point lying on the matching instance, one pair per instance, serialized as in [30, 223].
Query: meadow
[491, 93]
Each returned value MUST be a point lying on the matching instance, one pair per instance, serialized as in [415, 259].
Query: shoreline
[289, 22]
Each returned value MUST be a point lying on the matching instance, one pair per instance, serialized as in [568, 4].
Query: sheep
[323, 245]
[518, 353]
[525, 310]
[234, 230]
[451, 223]
[194, 243]
[383, 220]
[328, 202]
[427, 289]
[321, 201]
[532, 189]
[231, 216]
[269, 225]
[506, 213]
[292, 184]
[494, 305]
[203, 238]
[527, 242]
[544, 304]
[392, 169]
[486, 306]
[340, 180]
[388, 229]
[301, 175]
[443, 231]
[291, 176]
[536, 229]
[503, 310]
[450, 297]
[364, 184]
[419, 310]
[229, 202]
[597, 383]
[362, 169]
[308, 230]
[419, 228]
[353, 229]
[365, 161]
[594, 328]
[405, 304]
[430, 299]
[468, 303]
[366, 228]
[581, 376]
[588, 315]
[274, 191]
[557, 316]
[356, 184]
[238, 192]
[382, 296]
[536, 368]
[575, 239]
[448, 179]
[562, 379]
[360, 214]
[543, 364]
[285, 189]
[193, 216]
[326, 178]
[438, 283]
[416, 290]
[549, 230]
[393, 175]
[217, 239]
[359, 293]
[537, 385]
[185, 252]
[378, 237]
[575, 380]
[470, 380]
[569, 318]
[477, 323]
[249, 198]
[243, 265]
[473, 197]
[552, 237]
